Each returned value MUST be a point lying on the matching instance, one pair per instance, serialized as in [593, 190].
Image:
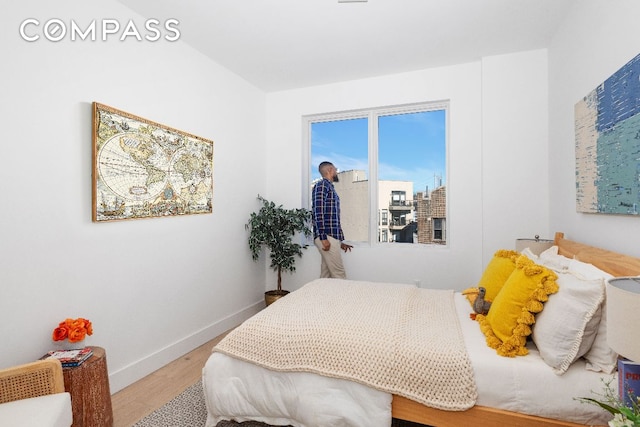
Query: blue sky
[411, 146]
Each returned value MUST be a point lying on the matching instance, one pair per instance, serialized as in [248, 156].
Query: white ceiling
[285, 44]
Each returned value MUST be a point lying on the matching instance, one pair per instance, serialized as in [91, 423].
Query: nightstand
[88, 385]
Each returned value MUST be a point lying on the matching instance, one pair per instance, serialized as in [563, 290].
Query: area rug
[185, 410]
[188, 410]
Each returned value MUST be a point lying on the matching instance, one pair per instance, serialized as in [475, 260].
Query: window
[437, 229]
[392, 170]
[398, 198]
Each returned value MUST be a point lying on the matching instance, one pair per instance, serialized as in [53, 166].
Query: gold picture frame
[143, 169]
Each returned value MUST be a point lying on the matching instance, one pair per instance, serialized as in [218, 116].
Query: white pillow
[529, 254]
[553, 250]
[587, 271]
[600, 358]
[550, 259]
[566, 329]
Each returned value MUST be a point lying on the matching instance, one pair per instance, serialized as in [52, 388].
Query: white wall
[597, 39]
[515, 149]
[153, 288]
[491, 140]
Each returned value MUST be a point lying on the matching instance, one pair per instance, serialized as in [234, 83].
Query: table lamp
[623, 316]
[536, 245]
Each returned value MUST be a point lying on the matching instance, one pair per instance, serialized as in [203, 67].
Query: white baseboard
[154, 361]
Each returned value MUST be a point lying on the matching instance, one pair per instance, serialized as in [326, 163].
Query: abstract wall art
[607, 128]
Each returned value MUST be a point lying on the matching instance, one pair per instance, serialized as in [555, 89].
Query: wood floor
[143, 397]
[138, 400]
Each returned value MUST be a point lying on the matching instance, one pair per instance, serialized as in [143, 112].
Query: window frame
[372, 115]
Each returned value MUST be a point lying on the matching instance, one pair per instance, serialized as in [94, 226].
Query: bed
[538, 389]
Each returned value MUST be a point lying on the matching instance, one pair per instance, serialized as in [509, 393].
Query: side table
[88, 385]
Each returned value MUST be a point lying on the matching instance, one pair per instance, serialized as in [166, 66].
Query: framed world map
[143, 169]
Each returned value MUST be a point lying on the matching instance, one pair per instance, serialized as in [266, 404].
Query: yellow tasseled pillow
[508, 322]
[497, 272]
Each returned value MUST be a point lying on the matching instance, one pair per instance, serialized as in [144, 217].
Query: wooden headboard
[612, 262]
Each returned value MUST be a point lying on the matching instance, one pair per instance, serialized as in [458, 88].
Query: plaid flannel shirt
[326, 211]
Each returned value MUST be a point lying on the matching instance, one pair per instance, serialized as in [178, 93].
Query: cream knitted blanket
[396, 338]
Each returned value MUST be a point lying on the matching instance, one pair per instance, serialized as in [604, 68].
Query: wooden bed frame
[481, 416]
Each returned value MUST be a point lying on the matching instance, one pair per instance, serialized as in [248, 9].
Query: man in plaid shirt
[327, 232]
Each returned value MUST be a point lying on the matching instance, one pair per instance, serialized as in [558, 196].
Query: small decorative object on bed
[143, 169]
[477, 298]
[274, 227]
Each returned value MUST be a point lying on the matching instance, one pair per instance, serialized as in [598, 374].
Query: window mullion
[373, 178]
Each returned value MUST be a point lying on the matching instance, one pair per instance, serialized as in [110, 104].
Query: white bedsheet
[238, 390]
[241, 391]
[526, 384]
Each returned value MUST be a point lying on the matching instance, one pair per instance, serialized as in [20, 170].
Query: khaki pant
[331, 266]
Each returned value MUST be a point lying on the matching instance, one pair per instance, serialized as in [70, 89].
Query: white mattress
[238, 390]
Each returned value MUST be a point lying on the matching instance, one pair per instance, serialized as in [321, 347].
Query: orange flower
[88, 326]
[76, 334]
[73, 329]
[60, 333]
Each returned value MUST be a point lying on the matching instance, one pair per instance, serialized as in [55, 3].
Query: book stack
[69, 358]
[628, 382]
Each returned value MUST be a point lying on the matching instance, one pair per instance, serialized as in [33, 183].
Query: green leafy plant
[274, 227]
[623, 416]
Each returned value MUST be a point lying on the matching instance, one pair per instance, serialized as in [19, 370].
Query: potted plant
[274, 227]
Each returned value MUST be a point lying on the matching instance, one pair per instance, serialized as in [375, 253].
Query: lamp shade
[536, 245]
[623, 316]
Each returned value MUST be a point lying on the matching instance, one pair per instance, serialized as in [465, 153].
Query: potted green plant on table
[275, 227]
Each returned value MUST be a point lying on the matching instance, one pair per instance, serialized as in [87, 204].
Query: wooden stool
[88, 385]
